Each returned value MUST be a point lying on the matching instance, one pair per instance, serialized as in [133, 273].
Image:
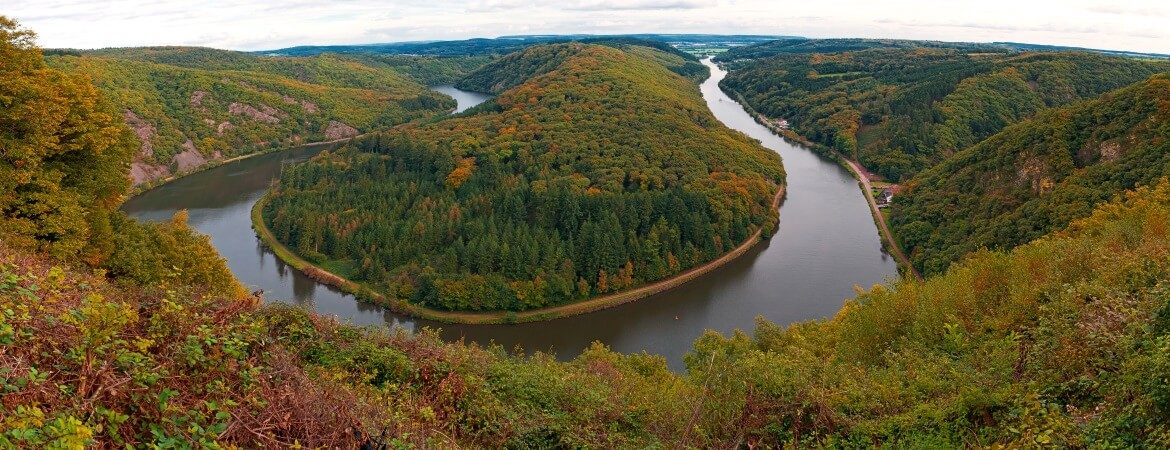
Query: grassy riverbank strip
[368, 294]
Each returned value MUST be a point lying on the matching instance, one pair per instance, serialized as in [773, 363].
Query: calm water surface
[826, 244]
[465, 99]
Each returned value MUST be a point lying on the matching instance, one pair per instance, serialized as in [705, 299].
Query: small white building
[884, 198]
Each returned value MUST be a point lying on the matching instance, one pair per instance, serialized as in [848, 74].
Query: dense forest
[602, 171]
[513, 69]
[1062, 342]
[1036, 176]
[192, 106]
[900, 107]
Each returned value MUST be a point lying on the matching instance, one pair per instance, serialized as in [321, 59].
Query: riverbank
[368, 294]
[879, 218]
[144, 187]
[864, 183]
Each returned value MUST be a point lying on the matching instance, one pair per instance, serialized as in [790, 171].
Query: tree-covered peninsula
[602, 171]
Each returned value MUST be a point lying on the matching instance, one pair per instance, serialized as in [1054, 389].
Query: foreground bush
[1063, 342]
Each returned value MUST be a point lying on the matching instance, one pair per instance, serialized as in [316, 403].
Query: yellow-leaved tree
[64, 168]
[63, 155]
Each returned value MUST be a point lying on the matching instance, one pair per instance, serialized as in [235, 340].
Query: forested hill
[902, 108]
[480, 47]
[516, 68]
[1036, 176]
[807, 46]
[427, 70]
[793, 44]
[602, 173]
[189, 107]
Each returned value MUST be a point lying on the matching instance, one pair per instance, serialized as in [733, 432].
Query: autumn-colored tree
[64, 161]
[582, 288]
[64, 154]
[460, 175]
[602, 282]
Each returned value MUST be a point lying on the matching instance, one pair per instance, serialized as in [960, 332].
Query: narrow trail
[880, 218]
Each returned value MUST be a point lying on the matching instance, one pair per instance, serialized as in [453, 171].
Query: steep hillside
[189, 107]
[515, 68]
[1063, 342]
[901, 110]
[1036, 176]
[602, 173]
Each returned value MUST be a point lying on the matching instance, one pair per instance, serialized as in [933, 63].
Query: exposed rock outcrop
[265, 113]
[309, 107]
[190, 158]
[224, 126]
[141, 172]
[337, 130]
[272, 111]
[197, 98]
[1035, 173]
[143, 129]
[1110, 151]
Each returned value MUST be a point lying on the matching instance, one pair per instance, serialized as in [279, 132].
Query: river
[826, 244]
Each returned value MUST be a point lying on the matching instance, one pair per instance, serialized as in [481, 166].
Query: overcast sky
[1137, 25]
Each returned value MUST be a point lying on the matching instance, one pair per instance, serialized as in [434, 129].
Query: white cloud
[1138, 25]
[632, 5]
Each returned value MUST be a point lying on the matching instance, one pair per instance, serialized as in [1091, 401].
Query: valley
[816, 256]
[580, 241]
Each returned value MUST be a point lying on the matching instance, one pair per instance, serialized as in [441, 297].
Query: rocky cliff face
[337, 130]
[264, 113]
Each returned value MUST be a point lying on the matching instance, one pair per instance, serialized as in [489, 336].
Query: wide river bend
[826, 244]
